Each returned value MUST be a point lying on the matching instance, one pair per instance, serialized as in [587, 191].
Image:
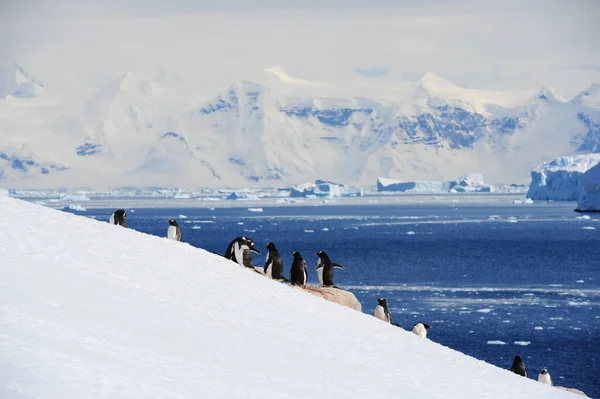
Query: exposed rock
[577, 391]
[339, 296]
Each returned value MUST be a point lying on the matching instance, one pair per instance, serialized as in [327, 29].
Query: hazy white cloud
[495, 44]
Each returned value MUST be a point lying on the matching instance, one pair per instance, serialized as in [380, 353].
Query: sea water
[494, 281]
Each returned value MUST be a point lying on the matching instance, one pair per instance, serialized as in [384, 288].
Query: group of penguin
[240, 251]
[518, 367]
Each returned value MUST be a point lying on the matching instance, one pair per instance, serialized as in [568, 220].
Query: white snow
[559, 179]
[82, 318]
[589, 190]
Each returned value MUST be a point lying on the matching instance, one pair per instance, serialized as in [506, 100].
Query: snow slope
[589, 190]
[92, 310]
[272, 129]
[560, 179]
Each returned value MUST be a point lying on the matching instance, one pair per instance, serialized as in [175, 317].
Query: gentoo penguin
[518, 367]
[118, 217]
[298, 274]
[273, 265]
[382, 312]
[544, 377]
[325, 269]
[240, 251]
[173, 232]
[421, 329]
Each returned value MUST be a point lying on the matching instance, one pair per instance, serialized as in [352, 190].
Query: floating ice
[580, 281]
[182, 217]
[324, 229]
[528, 201]
[240, 223]
[255, 209]
[496, 342]
[484, 310]
[77, 208]
[309, 231]
[196, 227]
[410, 233]
[538, 328]
[522, 343]
[588, 228]
[583, 217]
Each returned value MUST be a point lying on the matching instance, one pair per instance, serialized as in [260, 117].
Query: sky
[507, 45]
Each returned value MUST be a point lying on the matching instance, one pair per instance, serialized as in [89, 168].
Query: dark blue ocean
[494, 281]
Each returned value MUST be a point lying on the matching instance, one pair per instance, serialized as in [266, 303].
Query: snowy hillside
[93, 310]
[275, 130]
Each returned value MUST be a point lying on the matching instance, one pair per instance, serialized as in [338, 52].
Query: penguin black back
[518, 367]
[274, 264]
[325, 269]
[298, 273]
[240, 251]
[118, 217]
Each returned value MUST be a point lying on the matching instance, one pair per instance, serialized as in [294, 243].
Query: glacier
[589, 191]
[471, 182]
[560, 179]
[274, 130]
[120, 324]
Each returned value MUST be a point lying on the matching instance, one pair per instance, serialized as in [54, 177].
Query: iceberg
[559, 179]
[589, 191]
[471, 182]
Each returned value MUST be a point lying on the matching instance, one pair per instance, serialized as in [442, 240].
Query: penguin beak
[255, 250]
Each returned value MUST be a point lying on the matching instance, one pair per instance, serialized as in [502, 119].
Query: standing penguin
[274, 265]
[518, 367]
[420, 329]
[298, 274]
[118, 217]
[325, 269]
[173, 232]
[381, 311]
[240, 251]
[544, 377]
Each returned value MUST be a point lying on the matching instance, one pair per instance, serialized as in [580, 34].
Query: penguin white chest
[320, 274]
[380, 313]
[112, 219]
[420, 330]
[172, 233]
[545, 378]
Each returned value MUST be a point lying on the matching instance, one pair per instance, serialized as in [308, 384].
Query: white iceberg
[559, 179]
[589, 191]
[471, 182]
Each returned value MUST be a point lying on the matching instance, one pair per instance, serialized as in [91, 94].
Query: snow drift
[560, 179]
[589, 191]
[92, 310]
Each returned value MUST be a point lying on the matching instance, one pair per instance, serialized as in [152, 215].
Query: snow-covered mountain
[274, 130]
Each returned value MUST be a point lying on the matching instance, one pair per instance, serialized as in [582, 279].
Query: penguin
[420, 329]
[382, 312]
[298, 274]
[544, 377]
[240, 251]
[273, 265]
[325, 269]
[173, 232]
[518, 367]
[118, 217]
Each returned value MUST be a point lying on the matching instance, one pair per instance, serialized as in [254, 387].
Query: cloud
[509, 44]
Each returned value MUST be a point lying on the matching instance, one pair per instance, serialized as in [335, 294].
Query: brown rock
[339, 296]
[577, 391]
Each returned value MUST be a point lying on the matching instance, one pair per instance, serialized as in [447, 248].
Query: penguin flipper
[337, 265]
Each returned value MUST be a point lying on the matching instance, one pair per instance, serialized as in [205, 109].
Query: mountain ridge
[270, 130]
